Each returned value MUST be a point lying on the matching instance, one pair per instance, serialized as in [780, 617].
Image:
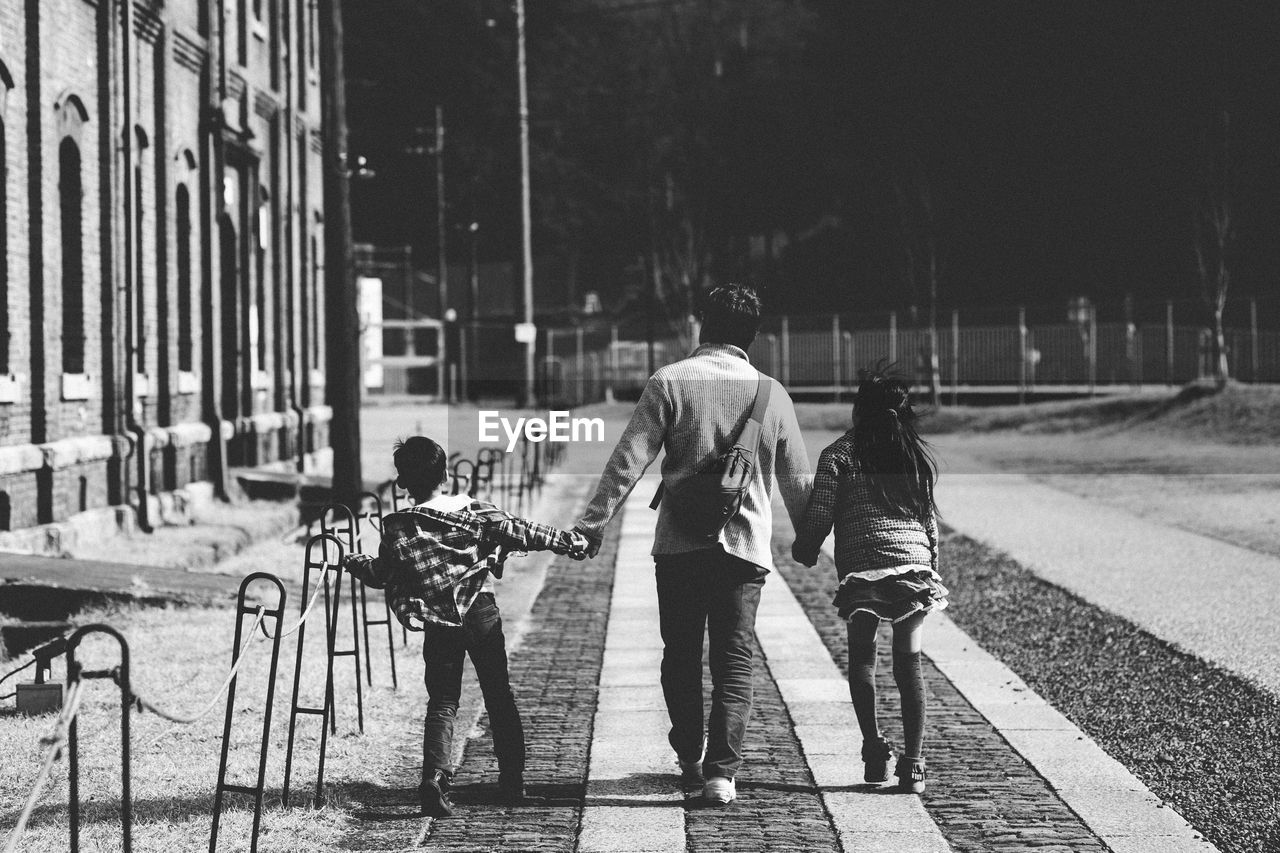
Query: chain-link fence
[1077, 348]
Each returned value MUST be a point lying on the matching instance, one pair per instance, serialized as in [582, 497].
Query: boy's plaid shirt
[433, 564]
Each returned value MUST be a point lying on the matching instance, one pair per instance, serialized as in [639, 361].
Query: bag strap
[761, 404]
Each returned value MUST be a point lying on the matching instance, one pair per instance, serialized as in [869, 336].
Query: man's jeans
[716, 593]
[443, 648]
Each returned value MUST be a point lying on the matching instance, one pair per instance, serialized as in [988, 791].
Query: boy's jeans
[443, 648]
[709, 592]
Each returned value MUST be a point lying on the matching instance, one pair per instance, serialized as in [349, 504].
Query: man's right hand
[593, 541]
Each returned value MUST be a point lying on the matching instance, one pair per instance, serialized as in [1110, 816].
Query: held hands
[803, 555]
[590, 547]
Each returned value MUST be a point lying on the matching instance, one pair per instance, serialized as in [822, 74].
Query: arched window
[71, 208]
[183, 261]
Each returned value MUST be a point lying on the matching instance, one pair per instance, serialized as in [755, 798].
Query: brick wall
[53, 51]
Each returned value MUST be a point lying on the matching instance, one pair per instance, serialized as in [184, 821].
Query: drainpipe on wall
[211, 199]
[137, 433]
[289, 35]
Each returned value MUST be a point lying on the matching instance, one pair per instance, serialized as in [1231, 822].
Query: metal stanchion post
[120, 674]
[332, 599]
[255, 790]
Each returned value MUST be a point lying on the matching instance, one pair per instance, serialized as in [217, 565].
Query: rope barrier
[55, 741]
[14, 672]
[144, 704]
[306, 611]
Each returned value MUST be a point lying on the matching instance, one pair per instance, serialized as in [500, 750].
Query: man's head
[420, 466]
[730, 314]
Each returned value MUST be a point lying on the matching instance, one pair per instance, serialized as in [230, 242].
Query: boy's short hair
[730, 314]
[420, 464]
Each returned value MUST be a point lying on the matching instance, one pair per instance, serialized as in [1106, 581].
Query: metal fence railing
[1086, 349]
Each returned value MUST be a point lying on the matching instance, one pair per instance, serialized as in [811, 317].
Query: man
[694, 409]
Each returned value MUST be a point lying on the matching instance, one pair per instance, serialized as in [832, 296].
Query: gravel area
[1203, 739]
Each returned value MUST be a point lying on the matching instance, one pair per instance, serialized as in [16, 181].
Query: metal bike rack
[369, 499]
[332, 598]
[469, 478]
[255, 790]
[120, 675]
[484, 470]
[347, 528]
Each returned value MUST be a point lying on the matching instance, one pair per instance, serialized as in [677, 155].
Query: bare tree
[920, 244]
[1213, 239]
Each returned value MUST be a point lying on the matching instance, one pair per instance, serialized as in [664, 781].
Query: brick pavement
[778, 806]
[981, 793]
[554, 674]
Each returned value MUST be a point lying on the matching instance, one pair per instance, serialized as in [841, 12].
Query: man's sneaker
[876, 755]
[433, 794]
[719, 790]
[910, 773]
[690, 773]
[511, 788]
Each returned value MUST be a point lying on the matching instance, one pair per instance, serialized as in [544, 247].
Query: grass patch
[179, 658]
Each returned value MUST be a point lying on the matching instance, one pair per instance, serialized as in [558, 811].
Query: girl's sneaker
[876, 755]
[910, 773]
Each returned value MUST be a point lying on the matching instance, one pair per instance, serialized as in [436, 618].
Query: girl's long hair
[896, 461]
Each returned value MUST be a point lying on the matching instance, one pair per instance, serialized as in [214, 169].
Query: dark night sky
[1062, 141]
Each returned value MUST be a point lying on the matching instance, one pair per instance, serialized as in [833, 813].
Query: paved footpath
[1178, 585]
[1007, 772]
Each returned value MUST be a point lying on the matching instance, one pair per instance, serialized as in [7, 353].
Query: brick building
[161, 252]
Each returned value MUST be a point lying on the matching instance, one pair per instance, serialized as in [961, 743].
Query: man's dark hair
[420, 464]
[730, 314]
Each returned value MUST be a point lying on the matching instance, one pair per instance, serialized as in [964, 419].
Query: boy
[436, 562]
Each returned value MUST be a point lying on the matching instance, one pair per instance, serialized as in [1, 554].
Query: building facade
[161, 252]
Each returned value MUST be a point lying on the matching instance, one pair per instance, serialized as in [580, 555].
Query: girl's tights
[906, 672]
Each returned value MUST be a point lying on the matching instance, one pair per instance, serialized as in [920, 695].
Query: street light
[526, 223]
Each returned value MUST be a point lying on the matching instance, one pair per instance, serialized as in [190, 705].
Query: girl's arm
[820, 513]
[931, 528]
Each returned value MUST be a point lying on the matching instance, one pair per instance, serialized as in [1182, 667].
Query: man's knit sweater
[693, 410]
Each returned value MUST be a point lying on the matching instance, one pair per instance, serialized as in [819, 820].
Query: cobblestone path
[981, 793]
[601, 778]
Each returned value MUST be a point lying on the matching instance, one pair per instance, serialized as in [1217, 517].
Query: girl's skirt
[891, 598]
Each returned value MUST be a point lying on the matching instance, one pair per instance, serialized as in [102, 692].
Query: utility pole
[341, 313]
[442, 262]
[526, 220]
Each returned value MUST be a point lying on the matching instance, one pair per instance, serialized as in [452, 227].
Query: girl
[876, 483]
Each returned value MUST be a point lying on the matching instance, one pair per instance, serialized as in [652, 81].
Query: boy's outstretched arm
[369, 570]
[512, 533]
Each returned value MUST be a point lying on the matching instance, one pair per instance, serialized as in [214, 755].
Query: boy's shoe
[876, 755]
[433, 794]
[690, 773]
[719, 790]
[511, 788]
[910, 773]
